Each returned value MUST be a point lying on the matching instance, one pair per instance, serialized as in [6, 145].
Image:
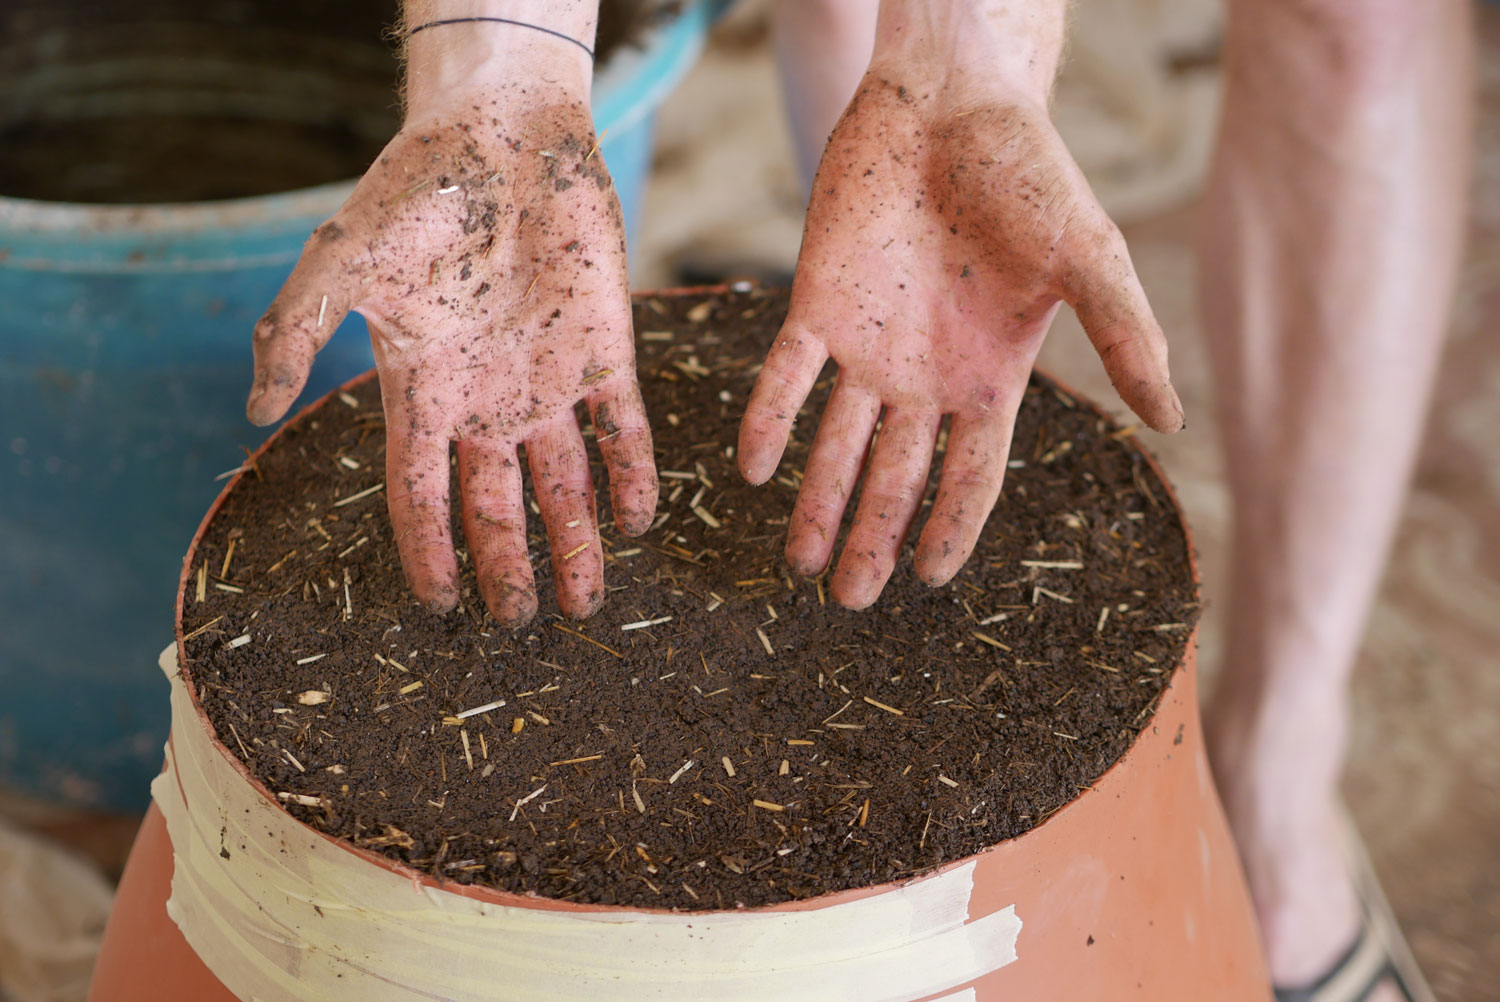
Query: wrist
[545, 52]
[974, 51]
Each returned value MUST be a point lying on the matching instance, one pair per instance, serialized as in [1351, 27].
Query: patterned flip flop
[1379, 954]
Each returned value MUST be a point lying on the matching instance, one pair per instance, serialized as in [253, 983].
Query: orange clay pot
[1132, 891]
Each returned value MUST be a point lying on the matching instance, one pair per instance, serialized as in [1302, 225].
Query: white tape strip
[280, 913]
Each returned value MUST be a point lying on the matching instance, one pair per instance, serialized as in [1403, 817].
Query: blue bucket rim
[627, 88]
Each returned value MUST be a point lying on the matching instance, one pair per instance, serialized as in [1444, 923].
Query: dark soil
[684, 764]
[176, 101]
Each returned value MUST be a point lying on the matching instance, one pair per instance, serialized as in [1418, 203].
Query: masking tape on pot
[279, 912]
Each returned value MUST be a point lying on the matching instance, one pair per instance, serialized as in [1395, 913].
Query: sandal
[1379, 954]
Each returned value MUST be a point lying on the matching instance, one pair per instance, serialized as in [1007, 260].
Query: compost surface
[721, 734]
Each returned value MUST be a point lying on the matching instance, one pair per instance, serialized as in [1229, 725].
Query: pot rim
[627, 88]
[535, 901]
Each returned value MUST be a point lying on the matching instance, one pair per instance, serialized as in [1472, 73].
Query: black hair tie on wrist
[504, 20]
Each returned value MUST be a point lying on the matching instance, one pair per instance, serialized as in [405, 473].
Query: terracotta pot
[1132, 891]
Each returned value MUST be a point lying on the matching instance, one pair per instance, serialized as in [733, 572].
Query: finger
[565, 494]
[893, 491]
[973, 470]
[833, 467]
[489, 479]
[1104, 291]
[791, 368]
[416, 478]
[320, 292]
[624, 438]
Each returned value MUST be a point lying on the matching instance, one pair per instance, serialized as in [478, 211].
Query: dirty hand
[947, 221]
[485, 249]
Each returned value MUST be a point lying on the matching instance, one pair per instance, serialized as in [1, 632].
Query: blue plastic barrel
[124, 364]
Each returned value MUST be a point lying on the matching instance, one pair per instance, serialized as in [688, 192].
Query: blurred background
[97, 502]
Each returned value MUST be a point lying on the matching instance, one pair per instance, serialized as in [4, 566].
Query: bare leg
[823, 47]
[1332, 229]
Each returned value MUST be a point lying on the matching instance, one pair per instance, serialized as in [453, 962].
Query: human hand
[485, 249]
[946, 225]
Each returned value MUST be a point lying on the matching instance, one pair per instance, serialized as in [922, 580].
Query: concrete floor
[1424, 776]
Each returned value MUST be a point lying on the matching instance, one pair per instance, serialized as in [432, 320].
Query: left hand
[488, 256]
[942, 234]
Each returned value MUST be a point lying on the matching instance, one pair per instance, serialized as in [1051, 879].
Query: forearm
[549, 45]
[975, 46]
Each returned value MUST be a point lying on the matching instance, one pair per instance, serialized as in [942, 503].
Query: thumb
[312, 303]
[1101, 286]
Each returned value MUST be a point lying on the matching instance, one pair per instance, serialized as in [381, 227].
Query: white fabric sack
[53, 906]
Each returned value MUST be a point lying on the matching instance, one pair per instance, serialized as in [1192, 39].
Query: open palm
[489, 261]
[940, 239]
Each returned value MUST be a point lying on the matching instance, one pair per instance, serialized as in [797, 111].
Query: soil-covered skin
[721, 734]
[170, 101]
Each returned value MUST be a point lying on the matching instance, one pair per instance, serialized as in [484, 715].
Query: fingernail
[252, 407]
[443, 602]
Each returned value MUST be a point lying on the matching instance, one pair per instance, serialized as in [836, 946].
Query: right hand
[947, 222]
[485, 249]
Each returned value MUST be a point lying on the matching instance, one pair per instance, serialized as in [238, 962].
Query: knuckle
[627, 464]
[512, 555]
[423, 541]
[819, 510]
[1097, 249]
[267, 329]
[837, 463]
[627, 444]
[571, 492]
[1114, 343]
[874, 542]
[890, 495]
[498, 520]
[635, 492]
[1107, 232]
[962, 522]
[331, 231]
[419, 516]
[968, 480]
[514, 580]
